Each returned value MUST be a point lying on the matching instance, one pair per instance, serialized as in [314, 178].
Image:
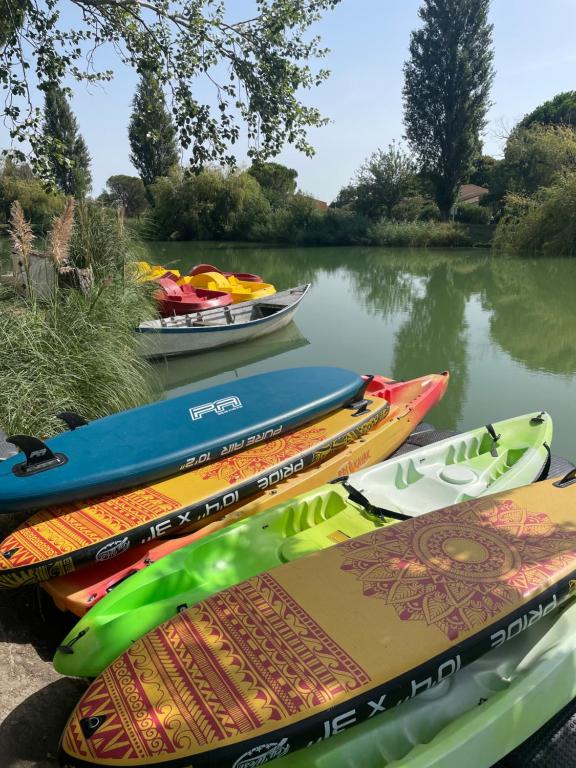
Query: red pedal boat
[174, 299]
[201, 268]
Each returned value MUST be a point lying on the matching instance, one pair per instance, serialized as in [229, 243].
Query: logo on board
[219, 407]
[262, 754]
[112, 549]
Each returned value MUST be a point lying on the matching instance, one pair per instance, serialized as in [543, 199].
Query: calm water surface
[503, 327]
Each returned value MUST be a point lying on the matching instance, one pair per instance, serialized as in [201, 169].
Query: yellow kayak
[239, 290]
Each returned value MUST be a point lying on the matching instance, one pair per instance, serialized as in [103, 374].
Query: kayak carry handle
[358, 497]
[547, 464]
[39, 457]
[539, 419]
[568, 479]
[67, 649]
[495, 438]
[72, 419]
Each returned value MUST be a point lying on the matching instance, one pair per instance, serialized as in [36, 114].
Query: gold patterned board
[60, 539]
[412, 400]
[313, 647]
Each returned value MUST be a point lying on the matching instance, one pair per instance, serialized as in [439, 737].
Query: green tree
[446, 91]
[17, 182]
[277, 181]
[561, 110]
[534, 156]
[482, 170]
[257, 66]
[382, 181]
[151, 131]
[68, 156]
[128, 191]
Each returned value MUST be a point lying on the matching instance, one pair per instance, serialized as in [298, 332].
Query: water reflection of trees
[433, 338]
[534, 312]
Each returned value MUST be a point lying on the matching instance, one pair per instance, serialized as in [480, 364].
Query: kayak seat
[347, 524]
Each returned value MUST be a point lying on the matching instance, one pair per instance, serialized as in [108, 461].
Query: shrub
[418, 234]
[545, 223]
[416, 208]
[467, 213]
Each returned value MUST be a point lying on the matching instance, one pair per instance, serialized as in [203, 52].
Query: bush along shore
[67, 338]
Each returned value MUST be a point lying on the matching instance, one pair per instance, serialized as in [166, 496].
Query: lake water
[503, 326]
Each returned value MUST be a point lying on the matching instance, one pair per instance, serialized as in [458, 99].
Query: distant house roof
[471, 193]
[321, 204]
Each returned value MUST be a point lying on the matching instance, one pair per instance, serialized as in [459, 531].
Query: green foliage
[127, 191]
[542, 224]
[67, 154]
[467, 213]
[209, 205]
[17, 182]
[446, 91]
[151, 131]
[534, 156]
[382, 181]
[75, 351]
[416, 208]
[255, 67]
[418, 234]
[276, 181]
[101, 240]
[482, 171]
[561, 110]
[78, 353]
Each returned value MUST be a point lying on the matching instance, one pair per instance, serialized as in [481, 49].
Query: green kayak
[499, 457]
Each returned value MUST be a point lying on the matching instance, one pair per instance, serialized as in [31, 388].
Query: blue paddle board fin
[72, 419]
[38, 456]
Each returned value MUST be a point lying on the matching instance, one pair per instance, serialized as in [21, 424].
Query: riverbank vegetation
[62, 348]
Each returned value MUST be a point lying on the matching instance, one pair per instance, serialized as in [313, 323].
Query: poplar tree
[151, 131]
[67, 157]
[446, 91]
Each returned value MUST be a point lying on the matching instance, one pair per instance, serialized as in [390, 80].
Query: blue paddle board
[145, 444]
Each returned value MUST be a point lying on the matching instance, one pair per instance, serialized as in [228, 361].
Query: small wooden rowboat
[247, 276]
[182, 334]
[174, 299]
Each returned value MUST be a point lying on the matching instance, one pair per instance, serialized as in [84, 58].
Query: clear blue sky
[535, 59]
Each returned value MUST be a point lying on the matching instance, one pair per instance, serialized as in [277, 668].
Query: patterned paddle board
[60, 539]
[80, 590]
[148, 443]
[309, 649]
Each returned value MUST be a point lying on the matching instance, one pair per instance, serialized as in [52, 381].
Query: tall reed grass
[73, 351]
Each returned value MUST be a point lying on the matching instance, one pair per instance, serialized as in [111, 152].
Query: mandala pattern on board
[248, 657]
[458, 568]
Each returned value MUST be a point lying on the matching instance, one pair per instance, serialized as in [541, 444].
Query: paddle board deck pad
[154, 441]
[499, 456]
[305, 651]
[410, 402]
[60, 539]
[311, 522]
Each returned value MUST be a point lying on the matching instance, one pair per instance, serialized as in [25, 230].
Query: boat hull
[157, 340]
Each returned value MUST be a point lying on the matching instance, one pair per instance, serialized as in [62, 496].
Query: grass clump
[73, 350]
[418, 234]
